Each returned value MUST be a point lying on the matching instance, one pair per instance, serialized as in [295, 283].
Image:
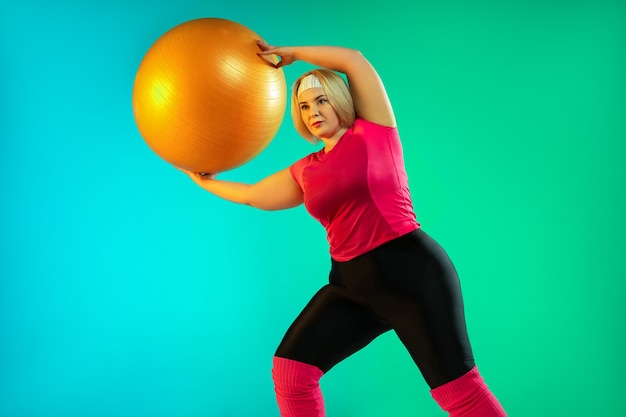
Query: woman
[386, 272]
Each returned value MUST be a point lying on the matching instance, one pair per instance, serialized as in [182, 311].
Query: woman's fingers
[284, 53]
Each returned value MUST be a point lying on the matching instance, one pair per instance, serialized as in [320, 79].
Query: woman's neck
[331, 142]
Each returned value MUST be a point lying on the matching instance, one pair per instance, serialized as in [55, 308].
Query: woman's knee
[294, 377]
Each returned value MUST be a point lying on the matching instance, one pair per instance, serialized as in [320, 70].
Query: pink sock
[468, 396]
[297, 388]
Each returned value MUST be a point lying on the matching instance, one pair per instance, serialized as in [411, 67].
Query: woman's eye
[322, 101]
[304, 107]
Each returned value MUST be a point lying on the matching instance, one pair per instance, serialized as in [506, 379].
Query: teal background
[125, 290]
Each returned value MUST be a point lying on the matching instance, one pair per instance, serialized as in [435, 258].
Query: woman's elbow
[355, 56]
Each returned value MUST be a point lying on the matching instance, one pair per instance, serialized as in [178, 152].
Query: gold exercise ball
[204, 100]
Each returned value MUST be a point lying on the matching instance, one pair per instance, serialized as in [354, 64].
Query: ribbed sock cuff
[468, 396]
[297, 388]
[447, 394]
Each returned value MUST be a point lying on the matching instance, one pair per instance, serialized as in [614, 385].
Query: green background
[127, 291]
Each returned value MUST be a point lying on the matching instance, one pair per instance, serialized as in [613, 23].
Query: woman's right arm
[276, 192]
[371, 101]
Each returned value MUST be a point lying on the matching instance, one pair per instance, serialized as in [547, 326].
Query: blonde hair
[339, 97]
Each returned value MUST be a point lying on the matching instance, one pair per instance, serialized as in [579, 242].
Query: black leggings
[408, 285]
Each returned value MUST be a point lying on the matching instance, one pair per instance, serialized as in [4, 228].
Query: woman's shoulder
[308, 159]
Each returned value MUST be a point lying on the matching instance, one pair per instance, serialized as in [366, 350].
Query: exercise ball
[203, 100]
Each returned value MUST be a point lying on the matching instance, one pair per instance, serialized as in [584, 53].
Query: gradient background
[127, 291]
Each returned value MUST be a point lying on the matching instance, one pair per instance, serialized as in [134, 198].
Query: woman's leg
[330, 328]
[297, 388]
[419, 293]
[468, 396]
[412, 284]
[409, 285]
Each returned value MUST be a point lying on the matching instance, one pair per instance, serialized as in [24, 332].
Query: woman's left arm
[371, 101]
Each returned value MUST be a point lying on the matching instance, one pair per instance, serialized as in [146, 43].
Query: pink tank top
[359, 190]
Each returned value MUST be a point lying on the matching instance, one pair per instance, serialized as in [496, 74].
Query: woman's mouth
[316, 124]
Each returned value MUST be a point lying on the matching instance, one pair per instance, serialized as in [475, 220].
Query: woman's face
[317, 113]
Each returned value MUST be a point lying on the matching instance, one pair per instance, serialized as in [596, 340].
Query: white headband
[310, 81]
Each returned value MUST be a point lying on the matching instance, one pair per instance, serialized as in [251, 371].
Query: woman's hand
[198, 177]
[284, 52]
